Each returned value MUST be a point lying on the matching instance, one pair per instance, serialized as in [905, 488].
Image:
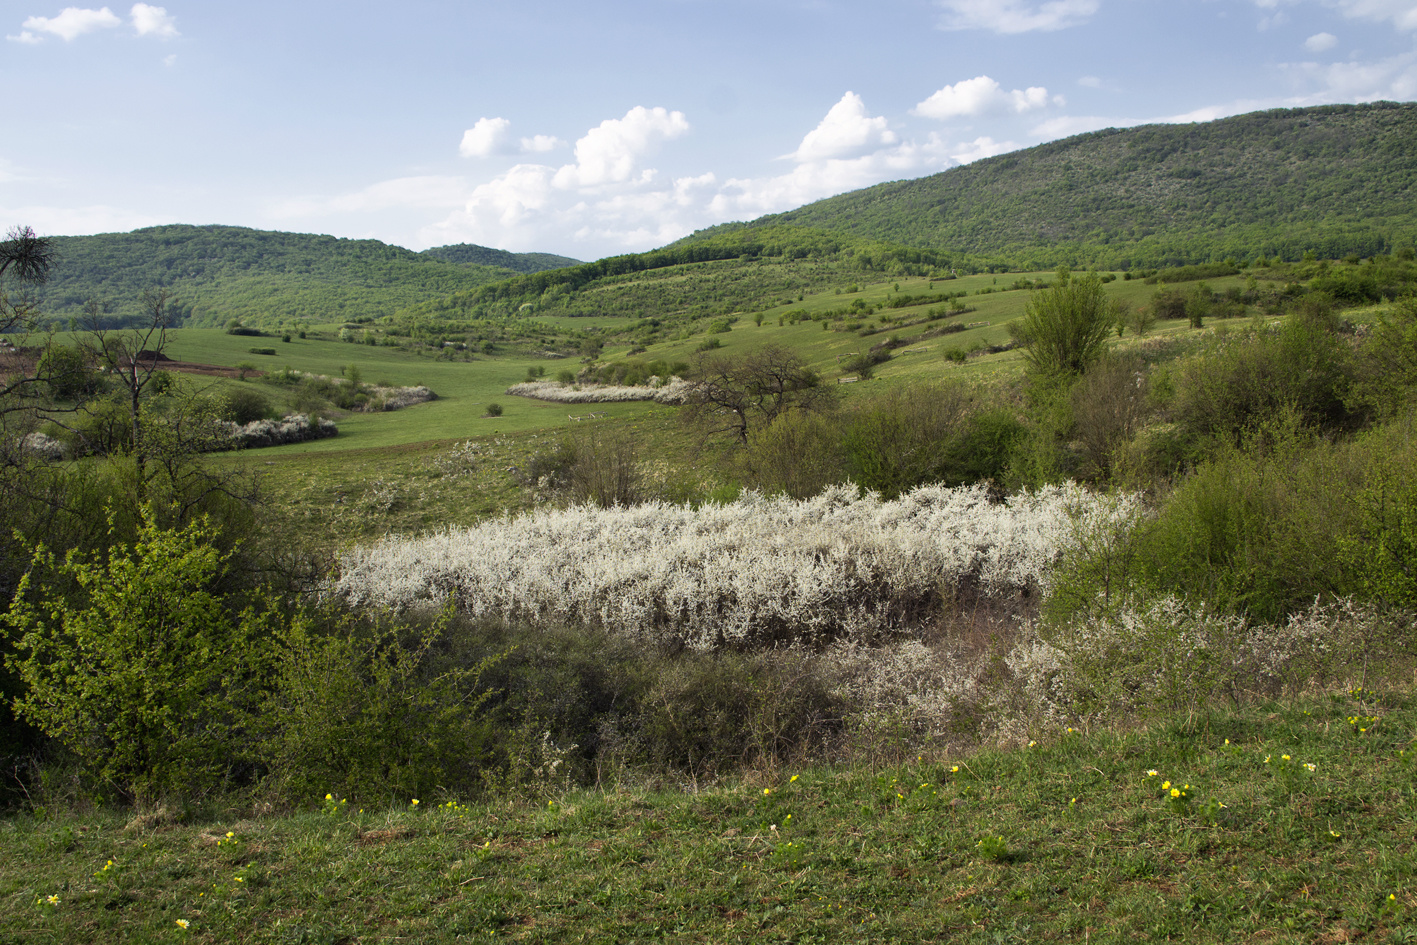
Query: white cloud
[1401, 13]
[1320, 42]
[847, 131]
[1392, 78]
[979, 96]
[609, 153]
[153, 21]
[71, 23]
[489, 136]
[1090, 82]
[1015, 16]
[539, 144]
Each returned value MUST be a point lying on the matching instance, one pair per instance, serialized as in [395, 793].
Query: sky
[590, 129]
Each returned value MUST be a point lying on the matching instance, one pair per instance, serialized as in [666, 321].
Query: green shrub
[494, 410]
[144, 673]
[244, 405]
[262, 350]
[366, 708]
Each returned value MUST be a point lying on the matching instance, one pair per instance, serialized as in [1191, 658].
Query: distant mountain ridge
[1335, 179]
[470, 253]
[216, 273]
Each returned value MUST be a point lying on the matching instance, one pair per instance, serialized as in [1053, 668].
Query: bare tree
[132, 356]
[732, 395]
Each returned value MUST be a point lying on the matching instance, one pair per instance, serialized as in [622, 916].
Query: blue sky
[590, 129]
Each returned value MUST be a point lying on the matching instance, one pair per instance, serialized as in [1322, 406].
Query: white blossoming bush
[757, 571]
[43, 447]
[296, 428]
[673, 391]
[396, 398]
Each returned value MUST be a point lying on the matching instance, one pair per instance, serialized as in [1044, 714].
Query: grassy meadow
[1177, 708]
[1286, 822]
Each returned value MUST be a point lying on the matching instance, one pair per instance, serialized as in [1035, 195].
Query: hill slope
[216, 273]
[471, 253]
[1336, 180]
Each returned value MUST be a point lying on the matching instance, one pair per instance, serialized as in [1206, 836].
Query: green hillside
[472, 254]
[217, 273]
[735, 271]
[1335, 180]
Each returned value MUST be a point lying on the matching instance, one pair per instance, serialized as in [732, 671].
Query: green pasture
[465, 388]
[1280, 823]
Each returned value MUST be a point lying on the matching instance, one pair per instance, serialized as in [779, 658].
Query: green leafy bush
[368, 709]
[143, 671]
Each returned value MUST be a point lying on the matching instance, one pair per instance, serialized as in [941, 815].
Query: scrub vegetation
[837, 594]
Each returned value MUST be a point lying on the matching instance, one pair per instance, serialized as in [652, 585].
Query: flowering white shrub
[292, 429]
[759, 570]
[396, 398]
[42, 446]
[673, 391]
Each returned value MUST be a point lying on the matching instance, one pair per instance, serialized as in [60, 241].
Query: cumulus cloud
[1320, 42]
[610, 153]
[153, 21]
[1015, 16]
[539, 144]
[847, 131]
[1401, 13]
[73, 22]
[980, 96]
[70, 24]
[494, 136]
[489, 136]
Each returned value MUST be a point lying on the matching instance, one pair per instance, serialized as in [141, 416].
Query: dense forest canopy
[1334, 180]
[470, 253]
[217, 273]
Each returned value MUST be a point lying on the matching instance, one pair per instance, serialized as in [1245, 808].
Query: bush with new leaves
[143, 671]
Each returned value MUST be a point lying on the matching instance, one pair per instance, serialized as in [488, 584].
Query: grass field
[1278, 823]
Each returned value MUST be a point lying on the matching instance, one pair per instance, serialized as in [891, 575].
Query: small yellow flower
[329, 797]
[1311, 766]
[767, 791]
[954, 770]
[1032, 744]
[791, 779]
[1152, 772]
[53, 900]
[1165, 785]
[415, 802]
[1283, 757]
[1175, 792]
[182, 923]
[230, 833]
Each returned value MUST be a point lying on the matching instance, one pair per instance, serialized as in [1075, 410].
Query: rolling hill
[1334, 180]
[217, 273]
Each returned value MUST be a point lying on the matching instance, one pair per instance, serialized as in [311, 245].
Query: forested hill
[465, 253]
[217, 273]
[1335, 180]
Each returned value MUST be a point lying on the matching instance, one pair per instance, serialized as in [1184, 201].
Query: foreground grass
[1296, 822]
